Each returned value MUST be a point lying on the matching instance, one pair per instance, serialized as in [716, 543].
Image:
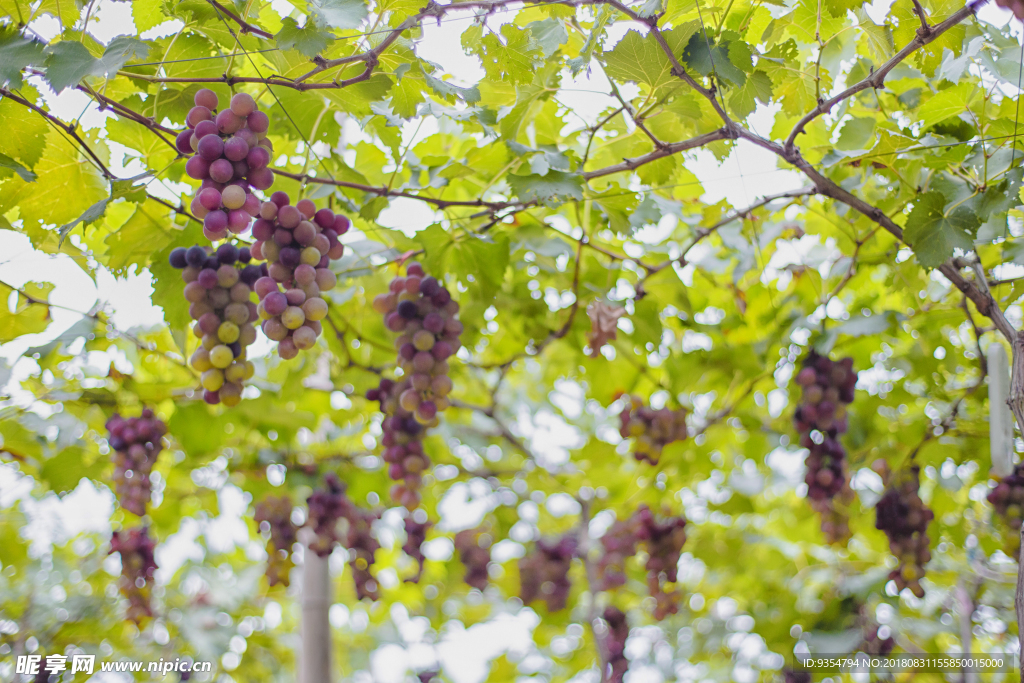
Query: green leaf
[857, 134]
[550, 35]
[9, 163]
[25, 131]
[448, 91]
[91, 215]
[339, 14]
[758, 88]
[727, 57]
[639, 60]
[513, 57]
[67, 63]
[933, 234]
[17, 52]
[950, 102]
[29, 314]
[119, 52]
[135, 242]
[309, 40]
[554, 185]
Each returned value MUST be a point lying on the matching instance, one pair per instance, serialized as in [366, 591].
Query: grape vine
[135, 546]
[136, 442]
[545, 572]
[828, 387]
[421, 310]
[298, 243]
[904, 518]
[274, 518]
[651, 429]
[218, 287]
[231, 156]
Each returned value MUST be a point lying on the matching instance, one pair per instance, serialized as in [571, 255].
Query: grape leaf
[308, 39]
[448, 90]
[13, 166]
[339, 13]
[25, 131]
[67, 63]
[947, 103]
[758, 88]
[934, 234]
[17, 52]
[726, 57]
[135, 242]
[91, 215]
[550, 35]
[639, 60]
[554, 185]
[513, 57]
[30, 314]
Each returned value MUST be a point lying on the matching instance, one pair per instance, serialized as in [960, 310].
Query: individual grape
[138, 566]
[136, 442]
[904, 518]
[291, 297]
[220, 296]
[545, 572]
[615, 644]
[820, 418]
[411, 407]
[274, 520]
[474, 552]
[650, 429]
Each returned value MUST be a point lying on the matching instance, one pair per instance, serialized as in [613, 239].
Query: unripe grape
[310, 256]
[240, 291]
[293, 317]
[423, 340]
[233, 197]
[221, 356]
[325, 279]
[212, 379]
[304, 338]
[194, 291]
[231, 394]
[286, 349]
[275, 329]
[271, 252]
[200, 360]
[228, 332]
[315, 309]
[280, 272]
[306, 207]
[235, 372]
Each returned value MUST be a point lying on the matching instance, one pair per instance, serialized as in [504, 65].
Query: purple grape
[221, 170]
[211, 147]
[183, 142]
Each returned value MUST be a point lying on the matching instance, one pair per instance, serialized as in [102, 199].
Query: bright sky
[747, 174]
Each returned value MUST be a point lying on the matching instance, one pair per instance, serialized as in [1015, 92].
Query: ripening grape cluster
[615, 643]
[545, 572]
[1008, 500]
[820, 419]
[650, 429]
[664, 544]
[274, 517]
[663, 541]
[327, 507]
[218, 287]
[902, 515]
[137, 568]
[231, 156]
[618, 544]
[416, 526]
[298, 243]
[796, 676]
[874, 644]
[475, 554]
[136, 442]
[421, 311]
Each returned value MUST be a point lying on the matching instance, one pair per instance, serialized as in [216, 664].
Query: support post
[1000, 423]
[315, 629]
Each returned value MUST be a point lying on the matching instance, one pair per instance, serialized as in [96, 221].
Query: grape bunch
[820, 418]
[362, 545]
[422, 312]
[475, 555]
[231, 156]
[327, 506]
[1008, 500]
[664, 544]
[136, 442]
[298, 243]
[902, 515]
[137, 568]
[218, 287]
[796, 676]
[615, 643]
[650, 429]
[403, 442]
[875, 645]
[545, 572]
[618, 544]
[274, 518]
[416, 526]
